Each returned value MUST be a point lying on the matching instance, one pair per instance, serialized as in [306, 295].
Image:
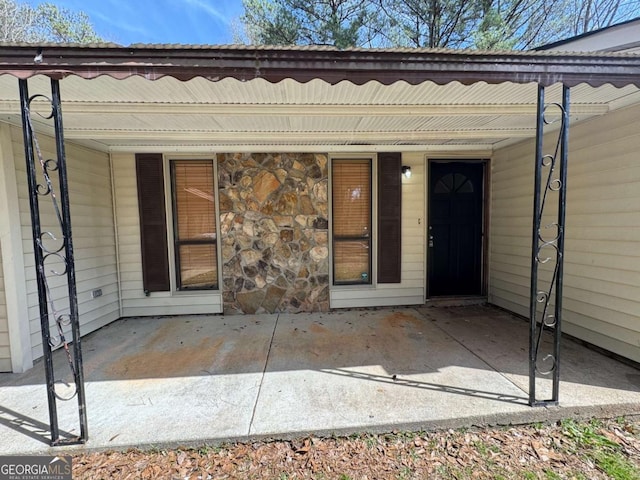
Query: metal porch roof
[332, 65]
[264, 97]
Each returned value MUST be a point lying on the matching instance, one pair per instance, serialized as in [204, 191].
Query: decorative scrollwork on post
[548, 248]
[47, 179]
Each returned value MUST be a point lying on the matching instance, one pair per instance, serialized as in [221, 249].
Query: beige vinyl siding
[134, 301]
[411, 290]
[93, 236]
[5, 353]
[601, 301]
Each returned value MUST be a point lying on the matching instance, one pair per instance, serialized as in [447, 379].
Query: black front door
[455, 228]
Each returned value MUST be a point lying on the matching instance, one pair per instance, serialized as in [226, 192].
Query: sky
[159, 21]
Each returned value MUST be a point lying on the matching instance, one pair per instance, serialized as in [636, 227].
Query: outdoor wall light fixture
[406, 171]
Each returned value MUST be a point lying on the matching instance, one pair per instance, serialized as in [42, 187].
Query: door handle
[430, 238]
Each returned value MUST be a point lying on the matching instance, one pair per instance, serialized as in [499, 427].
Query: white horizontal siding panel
[509, 300]
[414, 276]
[411, 290]
[5, 365]
[616, 156]
[516, 224]
[510, 250]
[602, 252]
[631, 264]
[2, 297]
[130, 248]
[89, 268]
[377, 297]
[604, 219]
[411, 259]
[5, 352]
[211, 299]
[618, 233]
[604, 274]
[82, 232]
[621, 171]
[84, 294]
[505, 240]
[626, 339]
[516, 202]
[606, 247]
[105, 305]
[130, 276]
[624, 189]
[613, 315]
[592, 134]
[126, 231]
[87, 257]
[129, 291]
[509, 273]
[512, 284]
[84, 244]
[157, 311]
[104, 317]
[93, 235]
[134, 300]
[629, 347]
[99, 307]
[378, 302]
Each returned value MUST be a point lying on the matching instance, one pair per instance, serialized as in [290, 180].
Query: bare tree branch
[516, 24]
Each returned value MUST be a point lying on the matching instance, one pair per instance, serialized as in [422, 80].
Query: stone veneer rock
[274, 232]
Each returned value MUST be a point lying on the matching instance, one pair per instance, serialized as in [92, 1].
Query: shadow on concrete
[502, 341]
[403, 341]
[27, 426]
[203, 379]
[405, 382]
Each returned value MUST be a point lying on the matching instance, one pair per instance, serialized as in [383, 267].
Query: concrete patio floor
[192, 380]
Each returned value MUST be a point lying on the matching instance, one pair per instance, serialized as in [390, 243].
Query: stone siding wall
[274, 229]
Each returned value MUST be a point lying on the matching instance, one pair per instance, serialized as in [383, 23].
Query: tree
[593, 14]
[63, 25]
[486, 24]
[430, 23]
[341, 23]
[20, 22]
[16, 22]
[270, 23]
[520, 24]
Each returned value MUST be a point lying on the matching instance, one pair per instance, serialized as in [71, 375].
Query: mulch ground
[598, 449]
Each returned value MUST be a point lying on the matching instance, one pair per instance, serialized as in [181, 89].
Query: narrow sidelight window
[351, 200]
[194, 217]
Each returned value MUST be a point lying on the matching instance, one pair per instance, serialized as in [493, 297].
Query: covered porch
[189, 380]
[243, 111]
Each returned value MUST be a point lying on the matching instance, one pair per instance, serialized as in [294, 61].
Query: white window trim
[168, 194]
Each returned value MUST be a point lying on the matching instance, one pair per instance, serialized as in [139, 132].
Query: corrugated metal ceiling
[106, 112]
[315, 92]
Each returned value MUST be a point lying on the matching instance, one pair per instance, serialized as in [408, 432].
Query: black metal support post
[547, 250]
[54, 258]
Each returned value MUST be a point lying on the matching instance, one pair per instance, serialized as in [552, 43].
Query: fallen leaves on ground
[566, 450]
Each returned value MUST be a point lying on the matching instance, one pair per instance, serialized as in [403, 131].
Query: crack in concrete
[264, 371]
[491, 367]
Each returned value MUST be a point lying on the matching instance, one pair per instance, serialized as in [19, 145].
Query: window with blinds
[351, 201]
[194, 214]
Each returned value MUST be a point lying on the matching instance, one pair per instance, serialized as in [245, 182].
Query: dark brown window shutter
[153, 222]
[389, 217]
